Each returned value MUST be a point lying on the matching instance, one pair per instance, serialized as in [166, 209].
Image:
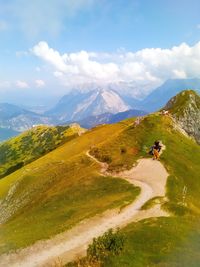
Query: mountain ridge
[32, 144]
[185, 108]
[19, 119]
[78, 105]
[161, 95]
[109, 118]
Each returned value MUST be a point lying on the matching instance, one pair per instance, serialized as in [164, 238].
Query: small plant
[106, 158]
[110, 243]
[123, 150]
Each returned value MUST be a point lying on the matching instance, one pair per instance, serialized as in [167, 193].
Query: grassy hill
[163, 242]
[58, 190]
[179, 157]
[63, 187]
[32, 144]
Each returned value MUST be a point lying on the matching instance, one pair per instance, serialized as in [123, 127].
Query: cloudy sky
[49, 46]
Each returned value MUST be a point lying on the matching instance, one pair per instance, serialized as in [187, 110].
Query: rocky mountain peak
[185, 108]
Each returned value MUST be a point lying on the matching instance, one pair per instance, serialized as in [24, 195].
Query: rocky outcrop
[185, 109]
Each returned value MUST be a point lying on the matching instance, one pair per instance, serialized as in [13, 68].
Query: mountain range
[161, 95]
[19, 119]
[91, 108]
[79, 105]
[109, 118]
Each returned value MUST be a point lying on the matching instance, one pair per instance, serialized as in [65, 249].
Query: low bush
[123, 150]
[110, 243]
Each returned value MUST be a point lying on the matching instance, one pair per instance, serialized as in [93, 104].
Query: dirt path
[148, 174]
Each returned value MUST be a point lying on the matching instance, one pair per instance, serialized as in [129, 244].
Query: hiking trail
[150, 175]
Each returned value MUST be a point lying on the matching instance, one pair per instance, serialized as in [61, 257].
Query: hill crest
[185, 109]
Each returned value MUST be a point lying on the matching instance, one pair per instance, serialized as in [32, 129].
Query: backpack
[151, 150]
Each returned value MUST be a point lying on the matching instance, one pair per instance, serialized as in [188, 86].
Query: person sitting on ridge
[155, 149]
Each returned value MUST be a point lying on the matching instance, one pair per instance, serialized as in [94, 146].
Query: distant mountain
[92, 107]
[160, 96]
[78, 105]
[18, 119]
[7, 133]
[185, 108]
[108, 118]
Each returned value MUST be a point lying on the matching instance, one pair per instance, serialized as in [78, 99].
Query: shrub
[110, 243]
[106, 158]
[123, 150]
[101, 156]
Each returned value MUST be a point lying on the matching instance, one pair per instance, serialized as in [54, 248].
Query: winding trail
[149, 175]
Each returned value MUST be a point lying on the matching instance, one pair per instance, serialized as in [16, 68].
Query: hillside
[57, 191]
[172, 241]
[185, 108]
[32, 144]
[64, 187]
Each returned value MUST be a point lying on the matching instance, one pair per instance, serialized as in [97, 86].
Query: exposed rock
[185, 109]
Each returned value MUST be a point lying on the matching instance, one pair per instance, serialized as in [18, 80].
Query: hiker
[155, 149]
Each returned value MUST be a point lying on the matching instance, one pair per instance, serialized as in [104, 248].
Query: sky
[49, 47]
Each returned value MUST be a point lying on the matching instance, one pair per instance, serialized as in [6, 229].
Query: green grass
[32, 144]
[157, 242]
[59, 190]
[61, 184]
[152, 202]
[160, 242]
[64, 209]
[181, 157]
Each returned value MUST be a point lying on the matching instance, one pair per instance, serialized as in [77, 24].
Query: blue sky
[107, 30]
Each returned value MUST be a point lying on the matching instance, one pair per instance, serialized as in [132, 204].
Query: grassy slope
[58, 190]
[155, 242]
[31, 145]
[162, 242]
[181, 156]
[166, 242]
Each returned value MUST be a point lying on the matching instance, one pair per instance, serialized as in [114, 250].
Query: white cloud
[58, 74]
[21, 84]
[198, 26]
[150, 65]
[40, 83]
